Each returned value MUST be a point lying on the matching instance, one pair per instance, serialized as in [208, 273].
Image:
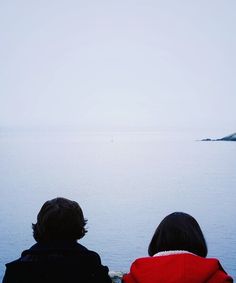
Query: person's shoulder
[84, 249]
[142, 261]
[12, 263]
[220, 274]
[88, 253]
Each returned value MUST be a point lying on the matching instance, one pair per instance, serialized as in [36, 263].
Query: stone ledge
[116, 276]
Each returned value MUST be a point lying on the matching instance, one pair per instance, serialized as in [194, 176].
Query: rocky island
[231, 137]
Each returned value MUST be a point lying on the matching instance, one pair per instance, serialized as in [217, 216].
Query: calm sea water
[125, 182]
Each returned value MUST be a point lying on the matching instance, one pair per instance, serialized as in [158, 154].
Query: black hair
[178, 231]
[59, 219]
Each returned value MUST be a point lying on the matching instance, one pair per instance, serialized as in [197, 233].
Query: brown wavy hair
[59, 219]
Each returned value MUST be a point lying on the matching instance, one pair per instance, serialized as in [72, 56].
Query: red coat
[176, 268]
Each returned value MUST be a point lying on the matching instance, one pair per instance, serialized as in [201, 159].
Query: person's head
[59, 219]
[178, 231]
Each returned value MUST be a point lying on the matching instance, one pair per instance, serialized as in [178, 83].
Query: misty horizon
[118, 65]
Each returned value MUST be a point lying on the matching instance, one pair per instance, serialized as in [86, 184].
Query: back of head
[59, 219]
[178, 231]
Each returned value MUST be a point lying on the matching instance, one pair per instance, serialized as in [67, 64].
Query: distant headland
[231, 137]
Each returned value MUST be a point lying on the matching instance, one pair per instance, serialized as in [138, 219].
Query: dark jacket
[59, 263]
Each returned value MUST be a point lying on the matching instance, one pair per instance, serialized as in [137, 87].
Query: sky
[144, 64]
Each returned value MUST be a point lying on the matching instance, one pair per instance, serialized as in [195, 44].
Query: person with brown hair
[57, 257]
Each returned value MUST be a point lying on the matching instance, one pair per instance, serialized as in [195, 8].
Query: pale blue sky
[118, 64]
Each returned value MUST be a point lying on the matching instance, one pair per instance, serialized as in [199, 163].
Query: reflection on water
[125, 182]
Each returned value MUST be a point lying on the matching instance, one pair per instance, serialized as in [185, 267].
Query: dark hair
[59, 219]
[178, 231]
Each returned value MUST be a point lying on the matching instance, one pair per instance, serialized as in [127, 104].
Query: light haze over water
[125, 182]
[142, 64]
[102, 102]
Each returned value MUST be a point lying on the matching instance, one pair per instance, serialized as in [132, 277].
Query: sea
[126, 182]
